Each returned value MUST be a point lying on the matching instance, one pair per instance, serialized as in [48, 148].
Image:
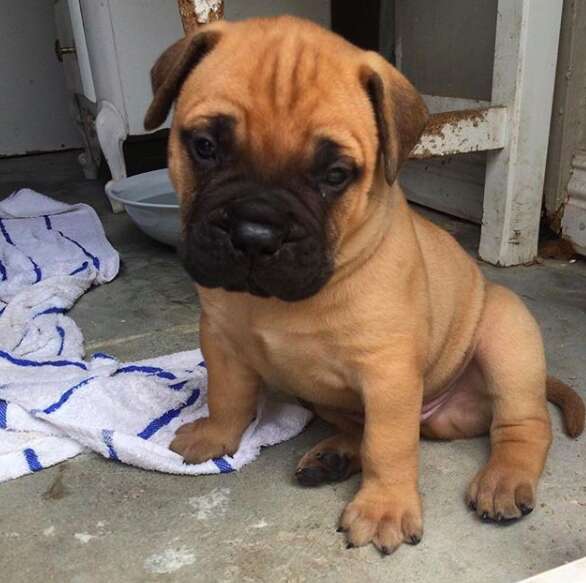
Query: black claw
[472, 505]
[484, 516]
[350, 546]
[386, 551]
[499, 517]
[311, 476]
[414, 539]
[330, 467]
[339, 529]
[525, 510]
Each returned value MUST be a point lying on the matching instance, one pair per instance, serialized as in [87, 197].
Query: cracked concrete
[92, 520]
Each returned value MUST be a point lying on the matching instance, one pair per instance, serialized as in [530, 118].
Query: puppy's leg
[510, 355]
[232, 397]
[387, 508]
[336, 458]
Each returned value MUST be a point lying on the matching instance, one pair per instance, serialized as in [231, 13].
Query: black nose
[255, 239]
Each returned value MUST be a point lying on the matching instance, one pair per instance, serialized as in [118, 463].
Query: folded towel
[53, 403]
[41, 238]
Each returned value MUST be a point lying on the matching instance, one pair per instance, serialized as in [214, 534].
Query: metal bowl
[151, 203]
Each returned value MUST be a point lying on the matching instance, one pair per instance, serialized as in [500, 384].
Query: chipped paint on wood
[197, 12]
[462, 132]
[208, 10]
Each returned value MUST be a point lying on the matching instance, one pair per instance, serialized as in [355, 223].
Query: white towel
[53, 403]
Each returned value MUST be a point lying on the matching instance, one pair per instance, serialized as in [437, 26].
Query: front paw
[203, 440]
[386, 516]
[502, 493]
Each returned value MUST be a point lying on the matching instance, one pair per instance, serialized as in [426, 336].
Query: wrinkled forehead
[286, 93]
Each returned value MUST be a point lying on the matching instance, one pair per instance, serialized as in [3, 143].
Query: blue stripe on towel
[3, 274]
[32, 460]
[65, 396]
[167, 417]
[5, 233]
[223, 465]
[61, 333]
[149, 370]
[102, 355]
[80, 268]
[94, 259]
[48, 223]
[108, 438]
[203, 364]
[8, 239]
[35, 363]
[178, 386]
[3, 412]
[37, 270]
[2, 309]
[53, 310]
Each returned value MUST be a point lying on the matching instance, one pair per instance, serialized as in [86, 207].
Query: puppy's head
[281, 130]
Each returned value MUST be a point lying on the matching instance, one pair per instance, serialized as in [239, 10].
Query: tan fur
[406, 314]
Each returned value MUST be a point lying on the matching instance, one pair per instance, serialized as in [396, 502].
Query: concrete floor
[92, 520]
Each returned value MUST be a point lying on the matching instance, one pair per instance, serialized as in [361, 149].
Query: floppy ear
[399, 111]
[171, 70]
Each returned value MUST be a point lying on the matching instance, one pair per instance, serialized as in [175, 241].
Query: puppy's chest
[307, 364]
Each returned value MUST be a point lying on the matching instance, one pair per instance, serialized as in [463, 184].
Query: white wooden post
[523, 81]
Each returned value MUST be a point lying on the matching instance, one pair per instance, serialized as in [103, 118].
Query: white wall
[34, 114]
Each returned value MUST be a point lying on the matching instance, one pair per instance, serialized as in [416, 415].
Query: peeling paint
[458, 132]
[204, 9]
[84, 537]
[169, 561]
[440, 121]
[211, 505]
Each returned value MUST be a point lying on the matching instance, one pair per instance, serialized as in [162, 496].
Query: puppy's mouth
[254, 248]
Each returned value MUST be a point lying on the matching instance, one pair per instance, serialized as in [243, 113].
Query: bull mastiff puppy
[315, 276]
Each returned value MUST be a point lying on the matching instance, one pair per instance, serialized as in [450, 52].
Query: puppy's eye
[204, 148]
[337, 177]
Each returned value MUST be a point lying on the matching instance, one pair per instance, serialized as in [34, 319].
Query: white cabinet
[108, 48]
